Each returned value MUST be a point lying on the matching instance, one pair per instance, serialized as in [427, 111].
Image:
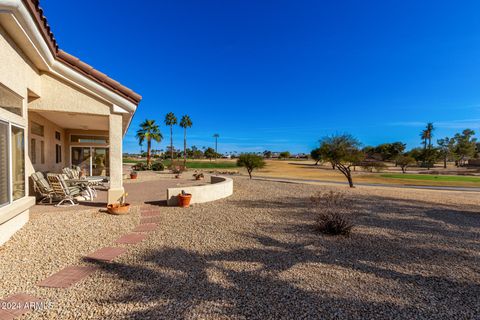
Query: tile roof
[37, 13]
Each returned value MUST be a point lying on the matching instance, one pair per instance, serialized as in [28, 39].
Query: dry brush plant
[334, 211]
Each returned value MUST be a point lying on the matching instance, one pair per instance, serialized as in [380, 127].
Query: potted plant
[133, 174]
[119, 208]
[184, 199]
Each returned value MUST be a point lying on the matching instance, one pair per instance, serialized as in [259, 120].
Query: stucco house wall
[49, 164]
[50, 84]
[16, 70]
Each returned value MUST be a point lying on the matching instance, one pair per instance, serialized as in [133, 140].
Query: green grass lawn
[196, 164]
[132, 160]
[429, 177]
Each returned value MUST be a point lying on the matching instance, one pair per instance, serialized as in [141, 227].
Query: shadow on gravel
[259, 294]
[160, 203]
[422, 250]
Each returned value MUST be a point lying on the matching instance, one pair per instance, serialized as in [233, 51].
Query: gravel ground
[413, 254]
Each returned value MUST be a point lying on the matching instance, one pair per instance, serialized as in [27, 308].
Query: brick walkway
[17, 305]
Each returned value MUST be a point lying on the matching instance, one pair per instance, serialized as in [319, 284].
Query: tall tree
[343, 151]
[171, 120]
[316, 155]
[446, 148]
[424, 137]
[216, 136]
[185, 123]
[429, 130]
[149, 131]
[465, 145]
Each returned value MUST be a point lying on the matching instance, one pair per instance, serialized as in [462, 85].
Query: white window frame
[91, 147]
[10, 164]
[88, 143]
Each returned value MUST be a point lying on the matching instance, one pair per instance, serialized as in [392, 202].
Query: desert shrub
[158, 166]
[333, 211]
[334, 223]
[140, 166]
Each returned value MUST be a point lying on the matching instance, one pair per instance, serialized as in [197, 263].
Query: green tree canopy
[148, 131]
[465, 145]
[284, 155]
[251, 162]
[316, 155]
[343, 151]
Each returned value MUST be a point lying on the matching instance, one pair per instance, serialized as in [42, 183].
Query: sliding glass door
[81, 158]
[92, 160]
[100, 162]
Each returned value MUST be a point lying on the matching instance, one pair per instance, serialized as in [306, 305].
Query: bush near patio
[158, 166]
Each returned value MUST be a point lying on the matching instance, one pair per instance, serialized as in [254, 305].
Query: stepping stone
[67, 277]
[146, 227]
[131, 238]
[154, 219]
[150, 213]
[17, 305]
[106, 254]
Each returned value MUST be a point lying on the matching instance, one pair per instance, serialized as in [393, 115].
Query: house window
[18, 163]
[33, 151]
[10, 101]
[58, 136]
[42, 152]
[89, 139]
[4, 164]
[58, 153]
[12, 163]
[36, 128]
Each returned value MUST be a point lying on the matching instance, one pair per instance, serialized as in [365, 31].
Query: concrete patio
[149, 188]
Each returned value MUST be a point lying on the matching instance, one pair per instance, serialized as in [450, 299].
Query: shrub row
[142, 166]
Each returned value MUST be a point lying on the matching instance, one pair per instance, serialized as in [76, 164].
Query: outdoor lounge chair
[43, 188]
[71, 173]
[63, 191]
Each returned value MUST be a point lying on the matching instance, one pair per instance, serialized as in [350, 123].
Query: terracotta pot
[118, 209]
[133, 176]
[184, 200]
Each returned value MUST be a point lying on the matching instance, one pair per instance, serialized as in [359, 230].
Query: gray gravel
[255, 255]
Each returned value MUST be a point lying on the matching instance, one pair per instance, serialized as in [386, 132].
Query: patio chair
[63, 191]
[43, 188]
[71, 173]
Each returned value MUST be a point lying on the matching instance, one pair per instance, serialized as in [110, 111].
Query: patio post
[116, 166]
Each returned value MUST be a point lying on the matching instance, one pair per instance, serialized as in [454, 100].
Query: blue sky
[280, 75]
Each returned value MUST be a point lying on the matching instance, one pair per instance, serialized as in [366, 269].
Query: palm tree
[429, 131]
[171, 120]
[149, 131]
[424, 137]
[185, 123]
[216, 136]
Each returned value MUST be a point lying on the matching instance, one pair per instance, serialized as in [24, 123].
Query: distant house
[55, 111]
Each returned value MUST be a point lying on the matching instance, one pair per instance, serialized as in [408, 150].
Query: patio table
[88, 183]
